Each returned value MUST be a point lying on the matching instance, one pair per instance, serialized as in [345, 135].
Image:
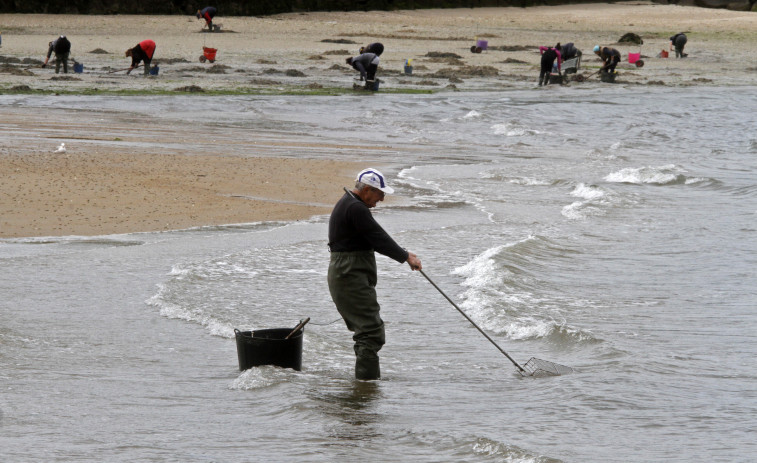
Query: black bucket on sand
[608, 77]
[269, 347]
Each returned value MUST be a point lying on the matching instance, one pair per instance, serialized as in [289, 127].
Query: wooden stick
[298, 328]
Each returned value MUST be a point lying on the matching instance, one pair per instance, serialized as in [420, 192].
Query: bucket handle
[298, 327]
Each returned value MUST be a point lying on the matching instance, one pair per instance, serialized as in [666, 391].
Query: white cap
[374, 178]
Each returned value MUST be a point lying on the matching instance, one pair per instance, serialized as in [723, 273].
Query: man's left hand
[413, 261]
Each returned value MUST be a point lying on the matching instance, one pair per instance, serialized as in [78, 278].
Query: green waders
[352, 283]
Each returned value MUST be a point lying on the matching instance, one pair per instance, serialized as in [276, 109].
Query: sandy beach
[102, 188]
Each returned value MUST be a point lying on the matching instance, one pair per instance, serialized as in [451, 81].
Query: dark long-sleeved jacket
[59, 45]
[353, 228]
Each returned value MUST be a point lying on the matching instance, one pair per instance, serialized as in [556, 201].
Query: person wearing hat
[354, 237]
[207, 13]
[62, 47]
[144, 51]
[679, 41]
[367, 65]
[610, 58]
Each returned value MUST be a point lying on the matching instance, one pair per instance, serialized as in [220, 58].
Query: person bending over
[610, 58]
[679, 41]
[61, 47]
[207, 13]
[548, 57]
[367, 65]
[144, 51]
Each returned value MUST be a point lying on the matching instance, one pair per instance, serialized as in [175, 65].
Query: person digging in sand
[144, 51]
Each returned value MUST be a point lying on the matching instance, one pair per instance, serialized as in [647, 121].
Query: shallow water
[614, 233]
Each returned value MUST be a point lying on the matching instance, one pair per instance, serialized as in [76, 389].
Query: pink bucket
[482, 44]
[633, 57]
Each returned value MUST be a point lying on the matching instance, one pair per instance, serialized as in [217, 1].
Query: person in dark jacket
[679, 41]
[610, 58]
[354, 237]
[367, 65]
[569, 51]
[144, 51]
[207, 13]
[61, 47]
[377, 48]
[548, 57]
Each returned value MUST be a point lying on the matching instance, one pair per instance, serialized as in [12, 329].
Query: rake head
[539, 368]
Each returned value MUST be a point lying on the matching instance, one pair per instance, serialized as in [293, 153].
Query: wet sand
[101, 188]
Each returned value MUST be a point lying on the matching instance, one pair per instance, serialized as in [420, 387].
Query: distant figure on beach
[569, 51]
[679, 41]
[377, 48]
[144, 51]
[62, 47]
[207, 13]
[610, 58]
[367, 65]
[548, 57]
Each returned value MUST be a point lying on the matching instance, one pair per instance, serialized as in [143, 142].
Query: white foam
[510, 129]
[472, 115]
[573, 210]
[256, 378]
[195, 315]
[661, 175]
[587, 191]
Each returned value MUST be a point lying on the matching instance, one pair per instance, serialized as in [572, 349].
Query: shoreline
[289, 54]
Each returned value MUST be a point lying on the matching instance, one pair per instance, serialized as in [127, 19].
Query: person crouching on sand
[144, 51]
[367, 65]
[610, 58]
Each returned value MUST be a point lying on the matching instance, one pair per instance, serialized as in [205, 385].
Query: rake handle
[298, 328]
[473, 323]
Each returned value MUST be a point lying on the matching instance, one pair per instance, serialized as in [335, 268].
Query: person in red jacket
[207, 13]
[144, 51]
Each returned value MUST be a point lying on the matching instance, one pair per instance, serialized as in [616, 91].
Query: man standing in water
[354, 235]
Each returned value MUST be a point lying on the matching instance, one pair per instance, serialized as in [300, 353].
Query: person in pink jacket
[548, 57]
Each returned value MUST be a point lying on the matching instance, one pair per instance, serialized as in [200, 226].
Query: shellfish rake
[534, 367]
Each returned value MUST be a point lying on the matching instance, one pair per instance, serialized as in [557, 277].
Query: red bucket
[209, 53]
[634, 57]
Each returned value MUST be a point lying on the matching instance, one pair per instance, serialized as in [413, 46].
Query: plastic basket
[209, 53]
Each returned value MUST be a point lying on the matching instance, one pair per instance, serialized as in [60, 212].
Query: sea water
[610, 231]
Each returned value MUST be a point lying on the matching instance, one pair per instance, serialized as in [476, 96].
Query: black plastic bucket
[268, 347]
